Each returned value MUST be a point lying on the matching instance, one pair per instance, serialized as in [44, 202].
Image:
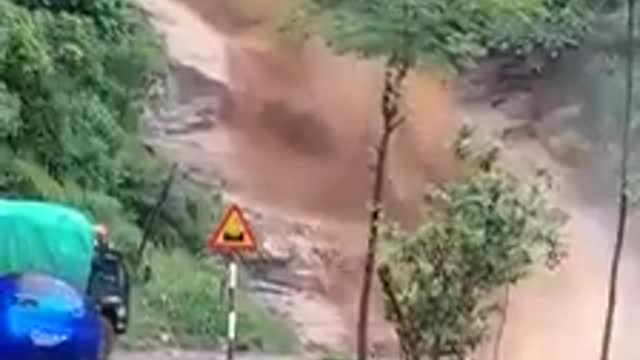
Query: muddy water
[560, 315]
[304, 120]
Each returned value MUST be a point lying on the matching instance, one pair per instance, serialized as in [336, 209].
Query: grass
[182, 306]
[336, 356]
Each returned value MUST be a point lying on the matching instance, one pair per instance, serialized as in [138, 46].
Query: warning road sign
[233, 234]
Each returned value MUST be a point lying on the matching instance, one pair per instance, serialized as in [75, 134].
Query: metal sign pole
[231, 298]
[232, 237]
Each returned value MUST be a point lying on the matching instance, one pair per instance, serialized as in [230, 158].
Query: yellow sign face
[233, 234]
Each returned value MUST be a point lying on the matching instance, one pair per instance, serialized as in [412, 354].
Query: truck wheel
[107, 341]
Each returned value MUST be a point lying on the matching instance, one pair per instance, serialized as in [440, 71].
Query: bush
[485, 231]
[111, 16]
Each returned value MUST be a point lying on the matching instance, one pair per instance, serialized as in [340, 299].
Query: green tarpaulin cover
[48, 238]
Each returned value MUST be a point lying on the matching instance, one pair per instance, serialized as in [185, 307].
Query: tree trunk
[623, 192]
[503, 323]
[395, 74]
[148, 223]
[408, 338]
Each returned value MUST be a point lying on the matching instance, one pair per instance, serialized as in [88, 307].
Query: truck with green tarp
[62, 242]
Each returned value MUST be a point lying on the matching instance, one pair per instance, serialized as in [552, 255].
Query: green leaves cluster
[75, 92]
[112, 17]
[484, 231]
[74, 78]
[444, 32]
[548, 25]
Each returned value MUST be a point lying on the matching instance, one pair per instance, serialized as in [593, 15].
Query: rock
[569, 147]
[165, 338]
[516, 105]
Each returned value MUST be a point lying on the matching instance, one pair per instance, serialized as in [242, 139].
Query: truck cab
[109, 289]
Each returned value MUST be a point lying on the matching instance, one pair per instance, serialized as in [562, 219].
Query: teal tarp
[48, 238]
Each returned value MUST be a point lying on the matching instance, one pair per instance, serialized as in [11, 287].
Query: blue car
[64, 292]
[43, 318]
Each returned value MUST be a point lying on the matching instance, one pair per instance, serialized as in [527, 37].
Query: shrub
[485, 231]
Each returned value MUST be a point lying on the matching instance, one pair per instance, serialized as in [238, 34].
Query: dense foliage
[74, 77]
[112, 17]
[445, 32]
[487, 230]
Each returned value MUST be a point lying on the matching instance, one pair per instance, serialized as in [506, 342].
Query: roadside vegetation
[184, 304]
[75, 79]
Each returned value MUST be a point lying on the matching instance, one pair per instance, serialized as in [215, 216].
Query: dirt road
[183, 355]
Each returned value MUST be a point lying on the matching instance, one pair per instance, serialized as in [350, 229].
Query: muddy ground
[185, 355]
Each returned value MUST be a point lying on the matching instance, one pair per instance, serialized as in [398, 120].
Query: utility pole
[623, 197]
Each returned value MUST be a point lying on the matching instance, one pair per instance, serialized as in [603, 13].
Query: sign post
[232, 237]
[232, 318]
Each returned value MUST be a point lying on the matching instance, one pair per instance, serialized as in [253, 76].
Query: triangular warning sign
[233, 233]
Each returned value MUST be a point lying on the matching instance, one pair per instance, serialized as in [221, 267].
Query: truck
[63, 287]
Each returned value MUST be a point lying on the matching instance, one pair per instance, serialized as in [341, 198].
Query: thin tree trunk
[502, 324]
[372, 241]
[148, 224]
[623, 192]
[408, 338]
[395, 74]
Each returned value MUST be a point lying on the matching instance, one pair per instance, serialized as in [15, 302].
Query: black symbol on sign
[229, 237]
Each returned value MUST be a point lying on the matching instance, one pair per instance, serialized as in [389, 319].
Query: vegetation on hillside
[73, 85]
[75, 77]
[444, 32]
[183, 305]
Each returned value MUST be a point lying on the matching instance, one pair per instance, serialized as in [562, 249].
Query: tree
[113, 17]
[482, 232]
[410, 33]
[623, 197]
[72, 88]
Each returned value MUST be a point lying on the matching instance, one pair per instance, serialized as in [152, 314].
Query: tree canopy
[445, 32]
